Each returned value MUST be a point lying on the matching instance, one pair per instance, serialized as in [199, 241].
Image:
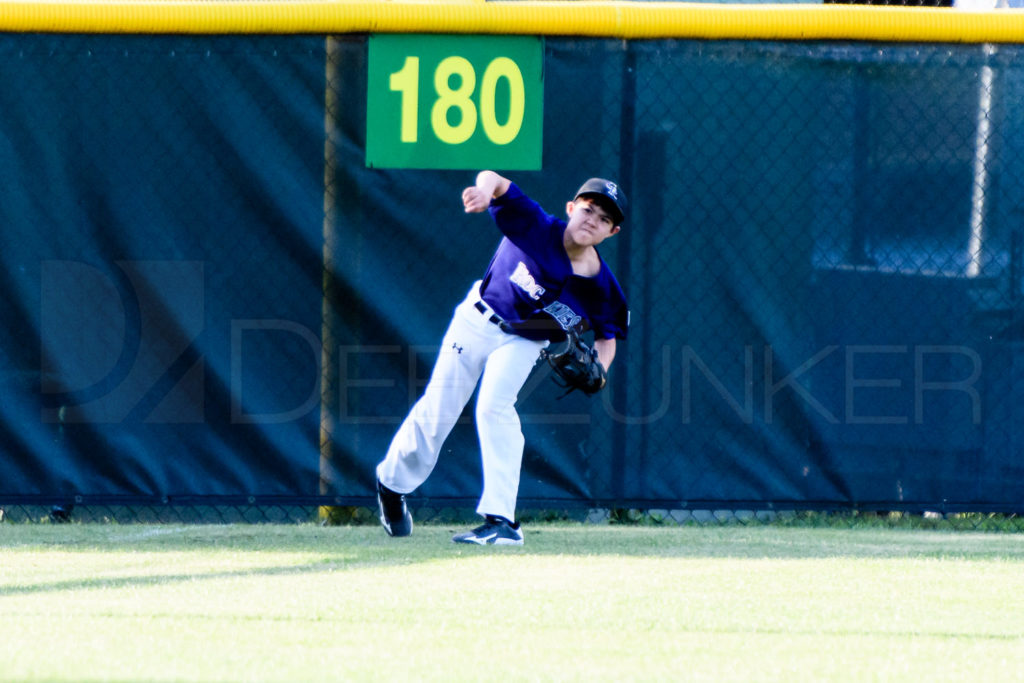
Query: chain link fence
[231, 313]
[289, 513]
[823, 263]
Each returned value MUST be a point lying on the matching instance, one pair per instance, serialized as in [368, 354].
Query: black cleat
[494, 531]
[394, 515]
[61, 514]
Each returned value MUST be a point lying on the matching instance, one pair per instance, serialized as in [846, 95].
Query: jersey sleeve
[523, 221]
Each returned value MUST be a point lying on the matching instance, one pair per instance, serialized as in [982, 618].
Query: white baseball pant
[471, 347]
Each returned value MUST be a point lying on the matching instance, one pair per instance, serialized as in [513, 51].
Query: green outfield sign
[455, 102]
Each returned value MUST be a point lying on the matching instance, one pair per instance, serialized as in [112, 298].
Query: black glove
[576, 365]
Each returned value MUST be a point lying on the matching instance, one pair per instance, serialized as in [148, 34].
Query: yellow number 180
[406, 82]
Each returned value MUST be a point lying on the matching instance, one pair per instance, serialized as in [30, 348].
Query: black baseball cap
[608, 194]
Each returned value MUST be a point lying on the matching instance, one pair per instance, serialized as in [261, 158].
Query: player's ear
[569, 207]
[615, 229]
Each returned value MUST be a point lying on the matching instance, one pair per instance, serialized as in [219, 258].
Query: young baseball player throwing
[546, 282]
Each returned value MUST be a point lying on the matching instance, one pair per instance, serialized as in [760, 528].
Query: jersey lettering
[522, 278]
[563, 315]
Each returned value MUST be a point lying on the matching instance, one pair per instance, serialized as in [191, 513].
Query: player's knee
[492, 411]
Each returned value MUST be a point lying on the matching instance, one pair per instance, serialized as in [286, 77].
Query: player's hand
[475, 200]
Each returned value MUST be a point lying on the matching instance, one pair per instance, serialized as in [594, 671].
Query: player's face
[588, 224]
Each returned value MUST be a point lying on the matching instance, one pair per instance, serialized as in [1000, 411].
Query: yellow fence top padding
[629, 20]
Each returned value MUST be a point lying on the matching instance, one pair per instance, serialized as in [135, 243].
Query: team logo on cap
[613, 189]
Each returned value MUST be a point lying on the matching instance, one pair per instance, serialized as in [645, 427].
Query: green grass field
[577, 602]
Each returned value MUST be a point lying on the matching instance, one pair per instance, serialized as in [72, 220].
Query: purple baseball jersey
[530, 283]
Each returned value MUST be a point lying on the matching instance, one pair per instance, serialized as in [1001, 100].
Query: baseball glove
[576, 366]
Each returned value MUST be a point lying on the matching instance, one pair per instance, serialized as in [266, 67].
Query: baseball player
[545, 278]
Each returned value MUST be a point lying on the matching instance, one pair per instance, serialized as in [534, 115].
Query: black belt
[502, 325]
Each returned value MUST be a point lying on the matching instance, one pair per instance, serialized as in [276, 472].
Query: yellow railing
[632, 20]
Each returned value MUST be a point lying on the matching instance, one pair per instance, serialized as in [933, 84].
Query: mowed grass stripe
[228, 603]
